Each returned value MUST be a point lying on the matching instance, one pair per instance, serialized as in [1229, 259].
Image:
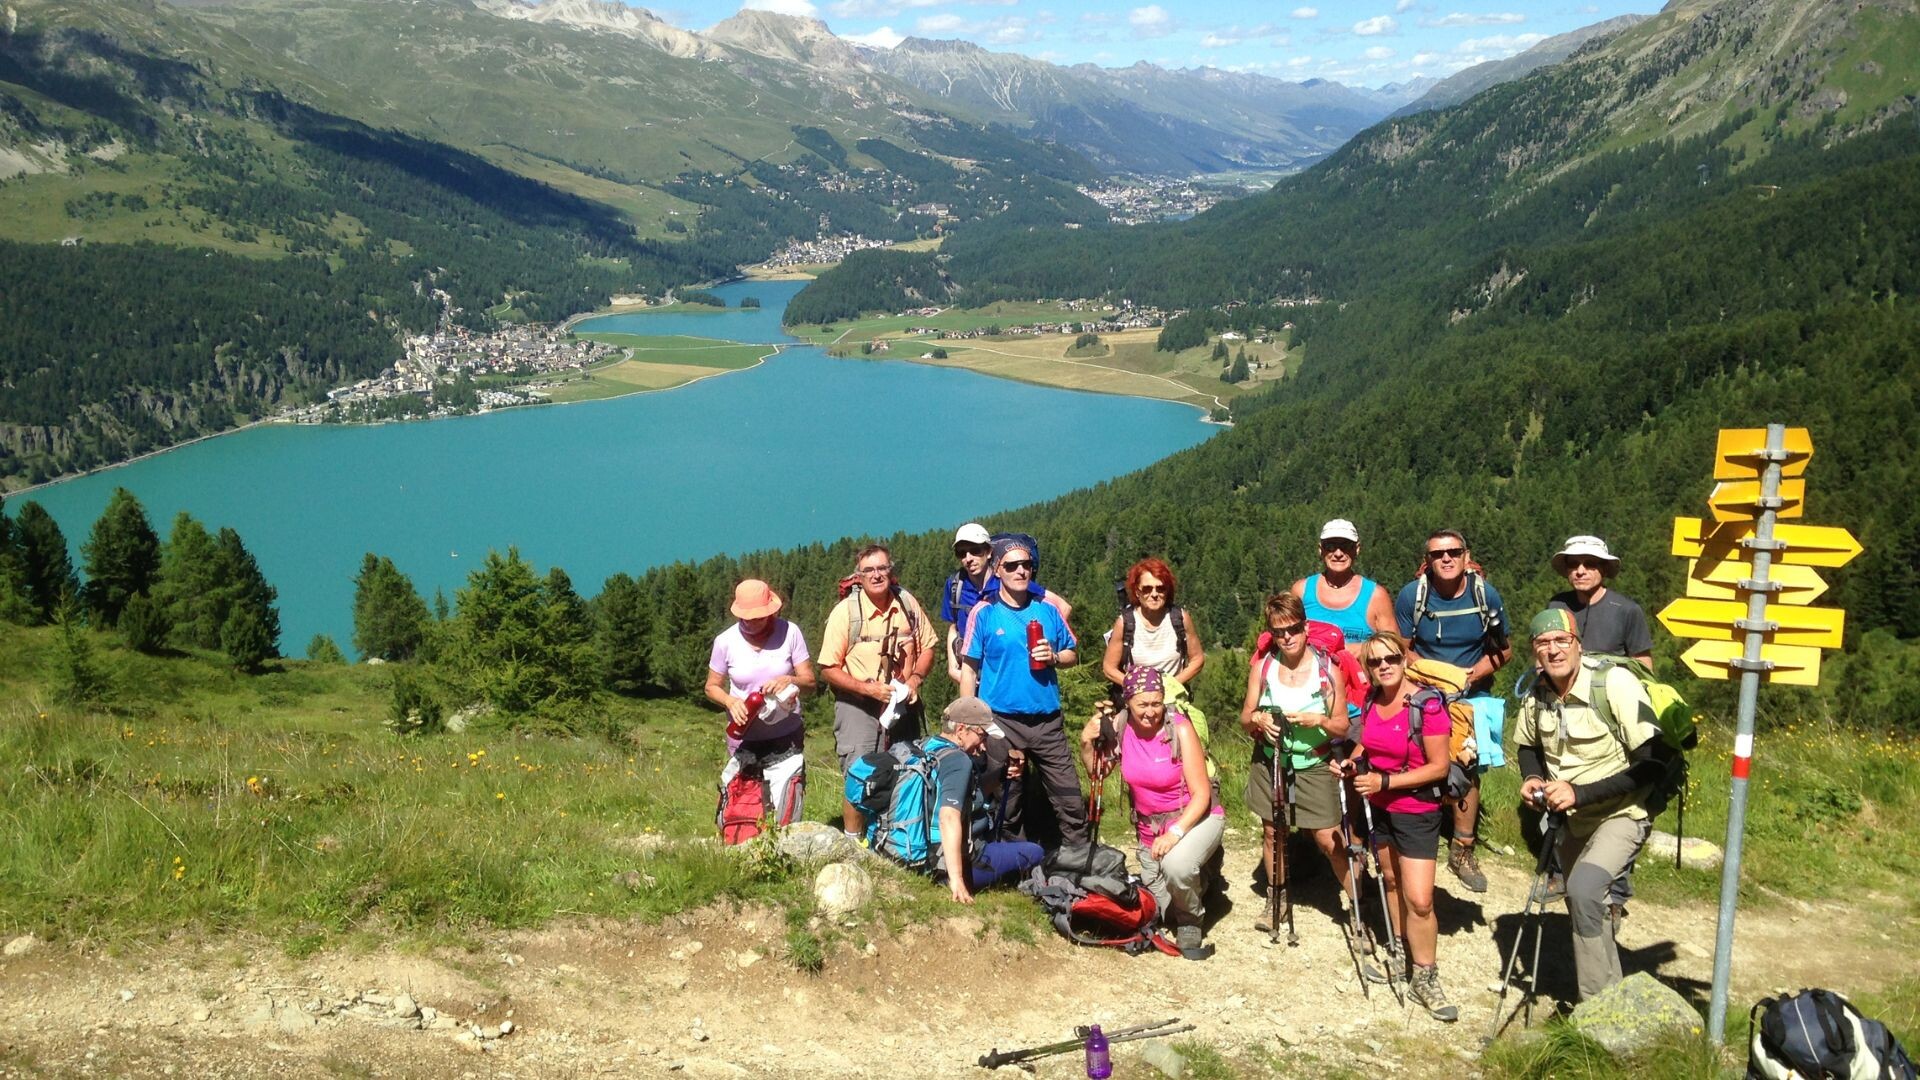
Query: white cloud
[1012, 30]
[1379, 24]
[1151, 21]
[1216, 41]
[1404, 6]
[1423, 59]
[1306, 13]
[1462, 18]
[1234, 35]
[1502, 45]
[1096, 18]
[1379, 52]
[802, 8]
[1300, 61]
[886, 37]
[944, 23]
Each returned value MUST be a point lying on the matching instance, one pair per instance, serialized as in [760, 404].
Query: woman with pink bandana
[1178, 820]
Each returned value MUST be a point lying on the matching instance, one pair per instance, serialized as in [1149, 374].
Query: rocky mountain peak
[791, 38]
[606, 16]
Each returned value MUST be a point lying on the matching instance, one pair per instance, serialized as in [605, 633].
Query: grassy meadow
[652, 363]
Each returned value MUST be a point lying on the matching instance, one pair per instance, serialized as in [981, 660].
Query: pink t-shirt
[1388, 748]
[1157, 782]
[748, 669]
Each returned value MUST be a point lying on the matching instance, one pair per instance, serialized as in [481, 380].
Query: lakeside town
[1148, 199]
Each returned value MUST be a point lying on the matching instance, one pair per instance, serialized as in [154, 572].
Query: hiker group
[1371, 717]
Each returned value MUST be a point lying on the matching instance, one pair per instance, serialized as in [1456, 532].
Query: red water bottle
[755, 702]
[1035, 635]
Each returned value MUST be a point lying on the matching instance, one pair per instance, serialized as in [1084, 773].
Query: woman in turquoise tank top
[1339, 595]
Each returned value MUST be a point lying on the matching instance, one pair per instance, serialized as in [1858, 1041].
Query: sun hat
[753, 599]
[1590, 546]
[1554, 620]
[1339, 529]
[968, 712]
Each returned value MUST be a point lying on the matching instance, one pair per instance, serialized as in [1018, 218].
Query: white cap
[1590, 546]
[1339, 529]
[972, 533]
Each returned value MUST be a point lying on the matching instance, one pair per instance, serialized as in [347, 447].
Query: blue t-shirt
[1452, 631]
[971, 595]
[997, 639]
[1352, 619]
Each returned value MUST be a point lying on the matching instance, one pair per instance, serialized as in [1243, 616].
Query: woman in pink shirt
[762, 655]
[1396, 764]
[1175, 815]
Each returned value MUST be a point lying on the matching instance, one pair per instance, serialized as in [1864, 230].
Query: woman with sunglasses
[1397, 764]
[1295, 701]
[1153, 631]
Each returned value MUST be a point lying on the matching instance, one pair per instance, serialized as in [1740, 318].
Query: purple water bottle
[1099, 1065]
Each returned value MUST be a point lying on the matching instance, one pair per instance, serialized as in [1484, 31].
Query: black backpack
[1819, 1035]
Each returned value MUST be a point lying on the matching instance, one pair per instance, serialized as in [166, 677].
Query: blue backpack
[903, 781]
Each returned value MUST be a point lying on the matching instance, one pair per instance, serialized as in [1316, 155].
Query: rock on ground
[21, 945]
[1695, 853]
[841, 888]
[812, 841]
[1632, 1013]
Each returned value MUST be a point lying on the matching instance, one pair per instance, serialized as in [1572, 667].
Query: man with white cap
[1609, 622]
[972, 583]
[1338, 594]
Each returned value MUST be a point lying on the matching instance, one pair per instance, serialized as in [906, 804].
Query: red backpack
[1326, 640]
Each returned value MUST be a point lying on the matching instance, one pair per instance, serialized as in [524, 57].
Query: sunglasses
[1584, 563]
[1291, 631]
[1347, 546]
[973, 549]
[1015, 565]
[1153, 590]
[1446, 553]
[1383, 661]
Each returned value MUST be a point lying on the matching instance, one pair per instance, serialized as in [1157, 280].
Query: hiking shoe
[1425, 989]
[1189, 940]
[1548, 891]
[1263, 922]
[1465, 865]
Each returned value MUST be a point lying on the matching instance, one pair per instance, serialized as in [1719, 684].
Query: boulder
[1632, 1013]
[1695, 853]
[841, 888]
[22, 945]
[812, 841]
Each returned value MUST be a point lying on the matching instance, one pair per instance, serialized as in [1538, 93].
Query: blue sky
[1366, 43]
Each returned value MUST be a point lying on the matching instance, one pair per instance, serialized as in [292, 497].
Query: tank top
[1157, 783]
[1389, 747]
[1155, 646]
[1278, 697]
[1352, 619]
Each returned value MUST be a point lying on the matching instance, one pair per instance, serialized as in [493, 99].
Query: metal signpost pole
[1751, 667]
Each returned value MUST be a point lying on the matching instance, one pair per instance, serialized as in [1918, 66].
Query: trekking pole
[998, 1058]
[1286, 802]
[1530, 913]
[1354, 857]
[1276, 852]
[1397, 958]
[1096, 806]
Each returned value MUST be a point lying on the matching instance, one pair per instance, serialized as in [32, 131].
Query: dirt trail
[606, 998]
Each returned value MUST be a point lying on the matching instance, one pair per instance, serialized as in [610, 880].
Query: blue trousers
[1004, 859]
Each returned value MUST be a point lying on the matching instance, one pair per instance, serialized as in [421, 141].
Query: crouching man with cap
[1590, 750]
[970, 857]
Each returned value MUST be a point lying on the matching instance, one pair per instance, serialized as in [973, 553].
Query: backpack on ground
[1817, 1034]
[747, 807]
[1091, 899]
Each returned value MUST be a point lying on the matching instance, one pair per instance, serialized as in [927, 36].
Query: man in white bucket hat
[1609, 622]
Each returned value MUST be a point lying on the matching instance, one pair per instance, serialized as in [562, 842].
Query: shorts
[1414, 836]
[1315, 802]
[856, 728]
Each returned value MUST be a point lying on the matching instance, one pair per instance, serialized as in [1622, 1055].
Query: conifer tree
[389, 618]
[122, 558]
[623, 616]
[46, 568]
[144, 624]
[322, 650]
[244, 591]
[189, 586]
[14, 605]
[78, 677]
[245, 638]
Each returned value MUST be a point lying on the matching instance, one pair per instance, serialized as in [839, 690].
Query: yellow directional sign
[1733, 460]
[1795, 665]
[1738, 500]
[1818, 628]
[1807, 545]
[1721, 581]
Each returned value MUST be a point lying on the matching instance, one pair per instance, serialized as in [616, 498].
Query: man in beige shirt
[875, 652]
[1590, 749]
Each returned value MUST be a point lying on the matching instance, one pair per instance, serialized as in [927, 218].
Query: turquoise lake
[804, 447]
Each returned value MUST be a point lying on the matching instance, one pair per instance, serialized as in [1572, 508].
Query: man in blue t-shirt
[974, 582]
[1021, 684]
[1452, 614]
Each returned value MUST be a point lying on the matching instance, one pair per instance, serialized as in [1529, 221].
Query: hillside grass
[280, 805]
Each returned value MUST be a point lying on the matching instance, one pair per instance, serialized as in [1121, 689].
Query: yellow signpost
[1748, 588]
[1721, 581]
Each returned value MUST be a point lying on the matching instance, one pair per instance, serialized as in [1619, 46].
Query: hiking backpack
[747, 806]
[1447, 684]
[1091, 899]
[1819, 1035]
[908, 830]
[1492, 633]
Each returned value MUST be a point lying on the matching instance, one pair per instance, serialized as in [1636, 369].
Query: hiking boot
[1550, 890]
[1189, 940]
[1263, 922]
[1465, 865]
[1425, 989]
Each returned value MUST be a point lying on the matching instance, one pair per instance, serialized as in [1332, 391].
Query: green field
[1002, 313]
[652, 363]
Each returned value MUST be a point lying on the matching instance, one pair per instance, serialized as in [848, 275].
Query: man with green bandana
[1589, 749]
